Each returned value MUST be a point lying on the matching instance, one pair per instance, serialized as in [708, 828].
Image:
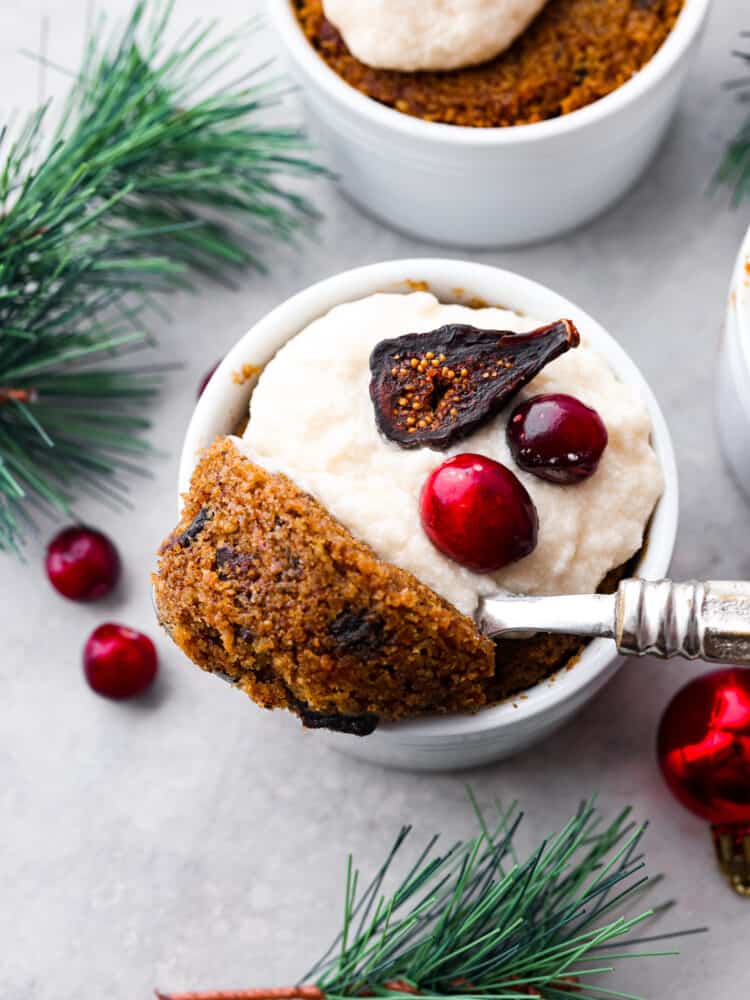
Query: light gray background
[190, 840]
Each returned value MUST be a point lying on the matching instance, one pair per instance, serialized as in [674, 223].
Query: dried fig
[432, 389]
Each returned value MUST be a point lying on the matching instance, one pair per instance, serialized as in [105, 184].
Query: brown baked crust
[260, 583]
[573, 53]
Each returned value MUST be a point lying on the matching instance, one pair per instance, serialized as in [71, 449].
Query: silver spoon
[707, 621]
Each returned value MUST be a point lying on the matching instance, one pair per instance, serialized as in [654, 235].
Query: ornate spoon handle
[709, 621]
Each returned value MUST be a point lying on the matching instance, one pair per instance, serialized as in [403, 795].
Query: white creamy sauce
[412, 35]
[311, 418]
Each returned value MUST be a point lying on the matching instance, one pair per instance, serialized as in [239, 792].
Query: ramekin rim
[677, 42]
[599, 654]
[739, 301]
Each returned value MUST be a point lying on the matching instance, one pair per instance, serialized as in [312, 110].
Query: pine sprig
[735, 168]
[476, 923]
[152, 172]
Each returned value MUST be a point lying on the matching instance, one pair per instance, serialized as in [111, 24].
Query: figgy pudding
[302, 568]
[533, 142]
[537, 60]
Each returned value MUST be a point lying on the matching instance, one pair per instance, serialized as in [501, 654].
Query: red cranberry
[82, 564]
[118, 661]
[478, 513]
[557, 437]
[206, 379]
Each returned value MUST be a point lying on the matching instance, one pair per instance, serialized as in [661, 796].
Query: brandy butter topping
[429, 34]
[312, 418]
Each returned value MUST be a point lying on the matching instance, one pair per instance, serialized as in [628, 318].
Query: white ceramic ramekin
[458, 741]
[733, 386]
[489, 187]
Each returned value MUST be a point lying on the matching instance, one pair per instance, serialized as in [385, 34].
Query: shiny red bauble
[206, 379]
[704, 746]
[118, 661]
[82, 564]
[476, 511]
[556, 437]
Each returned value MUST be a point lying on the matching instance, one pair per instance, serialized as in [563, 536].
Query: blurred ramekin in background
[491, 187]
[733, 387]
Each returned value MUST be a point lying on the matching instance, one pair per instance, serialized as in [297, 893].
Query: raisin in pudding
[402, 458]
[486, 63]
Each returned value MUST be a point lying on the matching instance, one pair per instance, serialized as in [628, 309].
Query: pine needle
[735, 168]
[153, 173]
[475, 923]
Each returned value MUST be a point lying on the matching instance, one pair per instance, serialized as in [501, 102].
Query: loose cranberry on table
[478, 513]
[556, 437]
[82, 564]
[118, 661]
[206, 379]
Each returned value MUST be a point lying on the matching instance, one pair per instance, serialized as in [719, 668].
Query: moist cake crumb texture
[573, 53]
[259, 583]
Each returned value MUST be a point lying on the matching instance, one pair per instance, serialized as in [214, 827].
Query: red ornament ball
[118, 661]
[477, 512]
[82, 564]
[556, 437]
[704, 746]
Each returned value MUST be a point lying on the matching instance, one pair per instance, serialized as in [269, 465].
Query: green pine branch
[475, 922]
[153, 172]
[735, 167]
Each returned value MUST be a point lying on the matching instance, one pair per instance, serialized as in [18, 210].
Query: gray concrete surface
[189, 840]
